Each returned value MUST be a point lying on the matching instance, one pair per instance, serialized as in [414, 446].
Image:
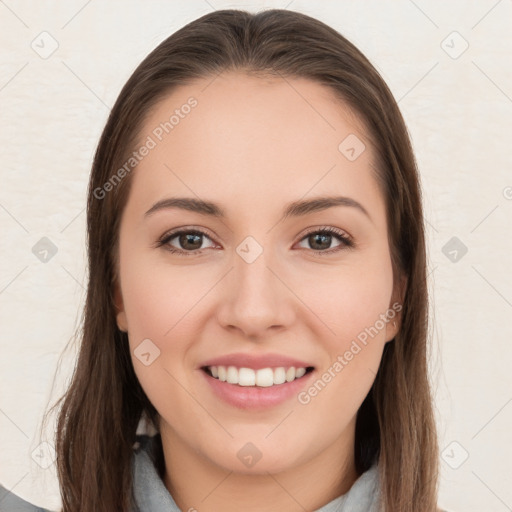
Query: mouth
[260, 378]
[253, 381]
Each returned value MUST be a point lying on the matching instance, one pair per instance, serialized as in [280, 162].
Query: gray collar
[151, 495]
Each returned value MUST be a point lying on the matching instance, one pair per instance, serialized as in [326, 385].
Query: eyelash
[346, 241]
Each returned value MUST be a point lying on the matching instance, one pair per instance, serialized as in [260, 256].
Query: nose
[255, 299]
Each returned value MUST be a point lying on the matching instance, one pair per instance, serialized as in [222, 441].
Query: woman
[257, 285]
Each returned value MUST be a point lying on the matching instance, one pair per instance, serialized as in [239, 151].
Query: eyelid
[185, 229]
[331, 230]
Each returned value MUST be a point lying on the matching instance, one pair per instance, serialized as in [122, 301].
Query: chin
[256, 458]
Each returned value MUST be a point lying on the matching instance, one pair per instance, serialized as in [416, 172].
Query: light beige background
[458, 107]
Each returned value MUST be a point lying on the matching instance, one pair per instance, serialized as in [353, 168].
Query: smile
[263, 377]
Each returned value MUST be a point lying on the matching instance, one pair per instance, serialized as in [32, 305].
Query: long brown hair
[100, 411]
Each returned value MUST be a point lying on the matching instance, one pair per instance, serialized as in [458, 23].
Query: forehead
[258, 106]
[259, 137]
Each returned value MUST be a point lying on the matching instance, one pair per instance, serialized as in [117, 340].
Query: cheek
[352, 304]
[349, 300]
[160, 298]
[163, 304]
[160, 304]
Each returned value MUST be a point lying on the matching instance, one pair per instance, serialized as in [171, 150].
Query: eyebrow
[294, 209]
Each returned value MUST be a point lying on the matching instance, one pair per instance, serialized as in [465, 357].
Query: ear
[394, 312]
[122, 324]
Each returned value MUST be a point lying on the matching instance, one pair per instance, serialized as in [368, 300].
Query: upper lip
[256, 361]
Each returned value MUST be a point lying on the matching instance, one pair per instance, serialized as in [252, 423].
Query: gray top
[151, 495]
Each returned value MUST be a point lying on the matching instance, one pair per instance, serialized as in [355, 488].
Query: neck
[196, 483]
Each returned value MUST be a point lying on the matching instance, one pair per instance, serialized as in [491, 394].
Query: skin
[253, 145]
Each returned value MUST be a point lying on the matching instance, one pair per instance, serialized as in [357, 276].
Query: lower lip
[254, 397]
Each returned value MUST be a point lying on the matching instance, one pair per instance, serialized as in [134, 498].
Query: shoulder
[9, 502]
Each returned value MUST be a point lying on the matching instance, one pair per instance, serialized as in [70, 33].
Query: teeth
[299, 372]
[246, 377]
[232, 375]
[280, 375]
[264, 377]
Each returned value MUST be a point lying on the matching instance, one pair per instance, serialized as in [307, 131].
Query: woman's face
[259, 290]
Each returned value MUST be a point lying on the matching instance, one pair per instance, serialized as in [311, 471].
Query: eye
[189, 241]
[320, 239]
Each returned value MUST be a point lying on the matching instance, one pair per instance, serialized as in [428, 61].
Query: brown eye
[190, 241]
[321, 240]
[186, 242]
